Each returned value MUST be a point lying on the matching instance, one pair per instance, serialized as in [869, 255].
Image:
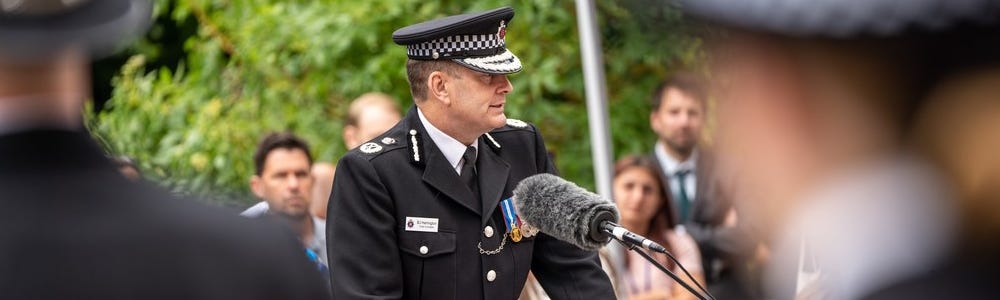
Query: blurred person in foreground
[282, 179]
[818, 103]
[72, 226]
[700, 205]
[644, 208]
[418, 211]
[368, 116]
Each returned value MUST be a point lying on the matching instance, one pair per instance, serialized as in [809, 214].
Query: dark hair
[663, 220]
[276, 140]
[688, 83]
[418, 70]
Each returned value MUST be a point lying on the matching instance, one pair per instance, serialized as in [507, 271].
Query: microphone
[631, 238]
[572, 214]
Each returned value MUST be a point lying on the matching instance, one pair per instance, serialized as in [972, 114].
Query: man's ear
[654, 121]
[350, 136]
[256, 186]
[437, 87]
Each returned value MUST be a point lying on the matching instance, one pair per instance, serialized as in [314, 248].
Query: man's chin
[498, 121]
[294, 214]
[682, 146]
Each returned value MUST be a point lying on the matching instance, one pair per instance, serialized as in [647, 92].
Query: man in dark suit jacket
[71, 226]
[418, 213]
[700, 204]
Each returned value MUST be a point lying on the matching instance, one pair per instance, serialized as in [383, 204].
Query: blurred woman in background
[642, 203]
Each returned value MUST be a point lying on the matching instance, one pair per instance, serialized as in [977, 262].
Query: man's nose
[294, 182]
[507, 87]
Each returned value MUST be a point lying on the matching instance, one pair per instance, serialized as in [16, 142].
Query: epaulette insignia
[516, 123]
[370, 148]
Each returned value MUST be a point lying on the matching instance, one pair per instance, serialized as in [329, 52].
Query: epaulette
[378, 146]
[515, 124]
[512, 125]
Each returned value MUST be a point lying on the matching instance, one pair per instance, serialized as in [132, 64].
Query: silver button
[491, 276]
[423, 249]
[488, 231]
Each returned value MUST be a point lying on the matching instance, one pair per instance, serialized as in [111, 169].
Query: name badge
[421, 224]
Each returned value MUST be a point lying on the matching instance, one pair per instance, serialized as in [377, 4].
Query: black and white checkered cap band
[457, 46]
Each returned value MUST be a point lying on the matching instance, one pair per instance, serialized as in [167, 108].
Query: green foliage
[254, 66]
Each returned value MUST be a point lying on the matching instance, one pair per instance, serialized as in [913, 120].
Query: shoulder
[514, 130]
[391, 141]
[515, 126]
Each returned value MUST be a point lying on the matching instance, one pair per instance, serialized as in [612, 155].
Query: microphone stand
[674, 259]
[664, 269]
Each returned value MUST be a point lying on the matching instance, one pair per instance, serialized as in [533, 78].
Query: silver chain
[503, 241]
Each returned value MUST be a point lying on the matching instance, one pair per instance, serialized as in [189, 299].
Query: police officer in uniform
[423, 211]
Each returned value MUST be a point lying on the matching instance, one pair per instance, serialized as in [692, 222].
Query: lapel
[493, 173]
[665, 183]
[438, 173]
[703, 185]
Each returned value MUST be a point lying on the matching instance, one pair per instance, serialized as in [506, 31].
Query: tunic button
[423, 249]
[488, 231]
[491, 276]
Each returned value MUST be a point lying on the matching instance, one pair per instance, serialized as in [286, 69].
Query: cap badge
[370, 148]
[388, 140]
[502, 31]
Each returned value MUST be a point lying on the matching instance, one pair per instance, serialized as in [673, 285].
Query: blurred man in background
[282, 163]
[367, 117]
[700, 206]
[72, 226]
[818, 104]
[322, 173]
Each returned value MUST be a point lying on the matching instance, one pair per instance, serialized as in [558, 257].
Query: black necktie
[469, 171]
[682, 196]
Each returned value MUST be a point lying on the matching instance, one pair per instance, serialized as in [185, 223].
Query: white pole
[597, 110]
[597, 95]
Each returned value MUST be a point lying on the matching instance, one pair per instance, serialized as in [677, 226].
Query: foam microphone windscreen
[564, 210]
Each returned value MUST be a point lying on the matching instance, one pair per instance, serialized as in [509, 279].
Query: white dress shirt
[671, 166]
[450, 147]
